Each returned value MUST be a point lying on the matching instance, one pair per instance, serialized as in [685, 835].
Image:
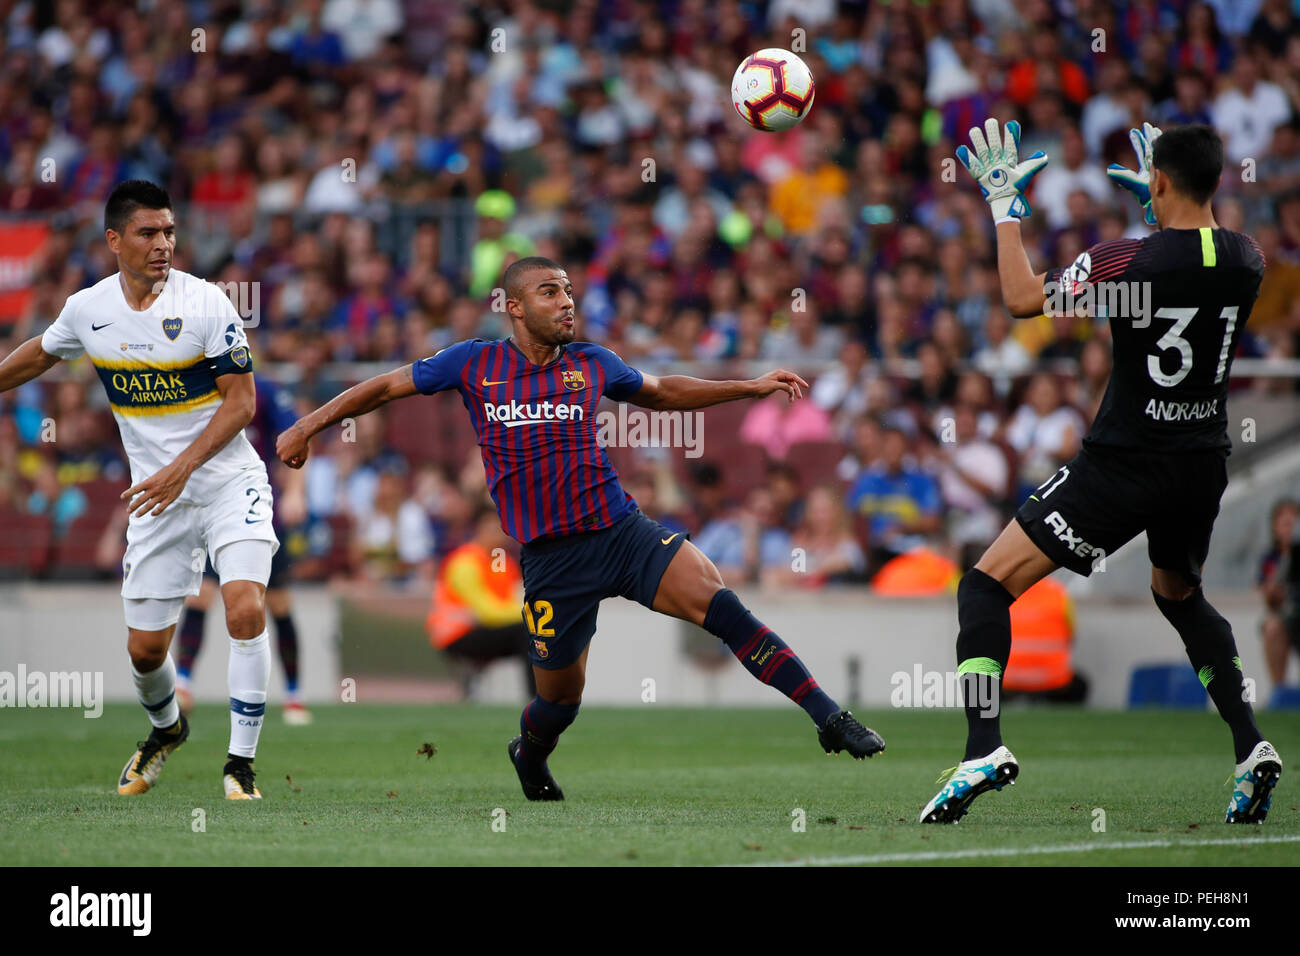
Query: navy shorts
[1103, 498]
[565, 579]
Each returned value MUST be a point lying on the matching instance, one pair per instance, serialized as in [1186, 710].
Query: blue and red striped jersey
[537, 428]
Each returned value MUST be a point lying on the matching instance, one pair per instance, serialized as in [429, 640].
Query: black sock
[766, 656]
[1213, 652]
[191, 639]
[983, 646]
[286, 637]
[541, 724]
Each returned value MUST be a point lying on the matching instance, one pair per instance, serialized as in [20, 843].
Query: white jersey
[159, 367]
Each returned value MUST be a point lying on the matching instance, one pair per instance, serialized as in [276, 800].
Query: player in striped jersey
[532, 399]
[1155, 457]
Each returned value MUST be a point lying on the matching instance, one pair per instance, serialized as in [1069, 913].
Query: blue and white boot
[1253, 783]
[967, 781]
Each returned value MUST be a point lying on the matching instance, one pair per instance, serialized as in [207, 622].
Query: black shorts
[565, 579]
[1105, 497]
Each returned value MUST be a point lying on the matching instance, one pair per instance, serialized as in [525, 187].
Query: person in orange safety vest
[1042, 632]
[477, 599]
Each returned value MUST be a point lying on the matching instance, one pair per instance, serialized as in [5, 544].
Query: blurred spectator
[799, 197]
[63, 504]
[1044, 431]
[937, 382]
[864, 441]
[775, 423]
[1069, 172]
[1190, 104]
[747, 541]
[1277, 582]
[1002, 357]
[802, 335]
[1066, 344]
[1043, 68]
[783, 483]
[825, 551]
[1095, 365]
[362, 24]
[974, 480]
[901, 503]
[495, 246]
[1105, 110]
[974, 390]
[1249, 110]
[393, 539]
[1201, 45]
[842, 390]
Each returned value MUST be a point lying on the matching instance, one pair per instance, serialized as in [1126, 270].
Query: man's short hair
[515, 272]
[1192, 158]
[129, 196]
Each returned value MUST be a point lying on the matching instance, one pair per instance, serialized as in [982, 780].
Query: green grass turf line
[645, 785]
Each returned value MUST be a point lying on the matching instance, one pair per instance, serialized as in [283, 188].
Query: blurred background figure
[1279, 585]
[476, 617]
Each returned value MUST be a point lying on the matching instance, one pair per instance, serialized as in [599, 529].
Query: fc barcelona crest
[172, 327]
[573, 379]
[540, 647]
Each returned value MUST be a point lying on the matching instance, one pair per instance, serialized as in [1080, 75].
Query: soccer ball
[772, 90]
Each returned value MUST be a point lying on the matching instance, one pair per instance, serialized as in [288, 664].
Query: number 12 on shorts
[537, 625]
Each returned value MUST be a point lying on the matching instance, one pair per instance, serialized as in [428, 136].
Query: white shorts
[165, 555]
[245, 560]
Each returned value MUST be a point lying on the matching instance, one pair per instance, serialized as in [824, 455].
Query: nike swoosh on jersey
[96, 328]
[502, 382]
[668, 539]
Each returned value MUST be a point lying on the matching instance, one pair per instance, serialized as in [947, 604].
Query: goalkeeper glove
[996, 166]
[1139, 183]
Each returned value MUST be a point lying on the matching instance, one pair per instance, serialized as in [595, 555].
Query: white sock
[248, 675]
[157, 692]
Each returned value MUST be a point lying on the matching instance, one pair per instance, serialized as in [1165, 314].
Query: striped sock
[766, 656]
[190, 639]
[157, 692]
[248, 674]
[286, 638]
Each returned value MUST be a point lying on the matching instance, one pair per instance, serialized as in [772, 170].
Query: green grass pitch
[653, 785]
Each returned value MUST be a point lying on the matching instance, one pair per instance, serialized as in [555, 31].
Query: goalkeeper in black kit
[1155, 458]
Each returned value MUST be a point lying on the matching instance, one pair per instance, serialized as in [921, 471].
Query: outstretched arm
[292, 445]
[993, 159]
[238, 405]
[681, 392]
[25, 363]
[1022, 290]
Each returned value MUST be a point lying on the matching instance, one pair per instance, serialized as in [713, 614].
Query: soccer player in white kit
[171, 352]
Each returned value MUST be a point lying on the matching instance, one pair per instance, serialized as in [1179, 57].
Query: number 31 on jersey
[1173, 339]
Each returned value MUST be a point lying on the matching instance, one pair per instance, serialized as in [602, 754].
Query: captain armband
[238, 360]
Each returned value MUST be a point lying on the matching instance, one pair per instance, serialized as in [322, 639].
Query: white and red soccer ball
[772, 90]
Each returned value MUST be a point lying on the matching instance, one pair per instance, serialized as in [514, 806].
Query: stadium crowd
[372, 166]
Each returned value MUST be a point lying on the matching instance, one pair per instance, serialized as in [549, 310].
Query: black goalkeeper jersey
[1177, 302]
